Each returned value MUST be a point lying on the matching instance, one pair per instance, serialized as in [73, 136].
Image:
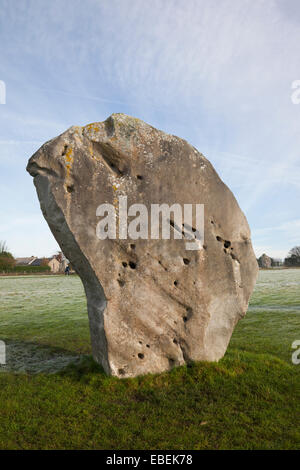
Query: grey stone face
[265, 261]
[152, 304]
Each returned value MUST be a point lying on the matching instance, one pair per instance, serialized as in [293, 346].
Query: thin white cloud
[20, 142]
[270, 251]
[265, 238]
[291, 226]
[258, 176]
[18, 223]
[221, 71]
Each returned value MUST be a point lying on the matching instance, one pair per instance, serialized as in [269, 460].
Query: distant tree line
[7, 260]
[8, 263]
[293, 258]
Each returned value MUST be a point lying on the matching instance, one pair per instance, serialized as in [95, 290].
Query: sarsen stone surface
[152, 304]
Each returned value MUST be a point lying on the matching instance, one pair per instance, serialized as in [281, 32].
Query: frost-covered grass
[43, 320]
[250, 399]
[273, 319]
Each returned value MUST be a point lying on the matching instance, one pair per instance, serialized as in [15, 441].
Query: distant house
[39, 262]
[62, 260]
[57, 264]
[25, 261]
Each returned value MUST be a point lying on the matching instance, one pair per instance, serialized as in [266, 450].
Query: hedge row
[27, 269]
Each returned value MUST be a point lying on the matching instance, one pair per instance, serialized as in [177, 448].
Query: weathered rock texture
[152, 304]
[265, 261]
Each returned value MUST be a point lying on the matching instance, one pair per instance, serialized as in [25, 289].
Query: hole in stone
[140, 342]
[107, 156]
[225, 250]
[186, 261]
[121, 371]
[121, 282]
[218, 238]
[175, 283]
[147, 345]
[132, 246]
[212, 222]
[234, 257]
[204, 247]
[139, 177]
[175, 341]
[124, 264]
[70, 189]
[159, 262]
[227, 244]
[189, 311]
[141, 356]
[132, 264]
[171, 361]
[64, 150]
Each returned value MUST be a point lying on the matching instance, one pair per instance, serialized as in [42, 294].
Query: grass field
[53, 396]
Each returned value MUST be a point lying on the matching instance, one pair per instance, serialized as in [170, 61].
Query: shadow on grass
[34, 358]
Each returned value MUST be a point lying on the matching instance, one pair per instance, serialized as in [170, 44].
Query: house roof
[37, 262]
[25, 261]
[34, 261]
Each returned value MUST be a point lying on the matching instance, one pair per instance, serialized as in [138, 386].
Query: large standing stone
[152, 304]
[265, 261]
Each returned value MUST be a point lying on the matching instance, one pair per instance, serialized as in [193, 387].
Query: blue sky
[215, 72]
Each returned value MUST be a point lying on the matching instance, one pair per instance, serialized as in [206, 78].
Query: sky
[218, 73]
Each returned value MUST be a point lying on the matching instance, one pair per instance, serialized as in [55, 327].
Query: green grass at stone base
[249, 400]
